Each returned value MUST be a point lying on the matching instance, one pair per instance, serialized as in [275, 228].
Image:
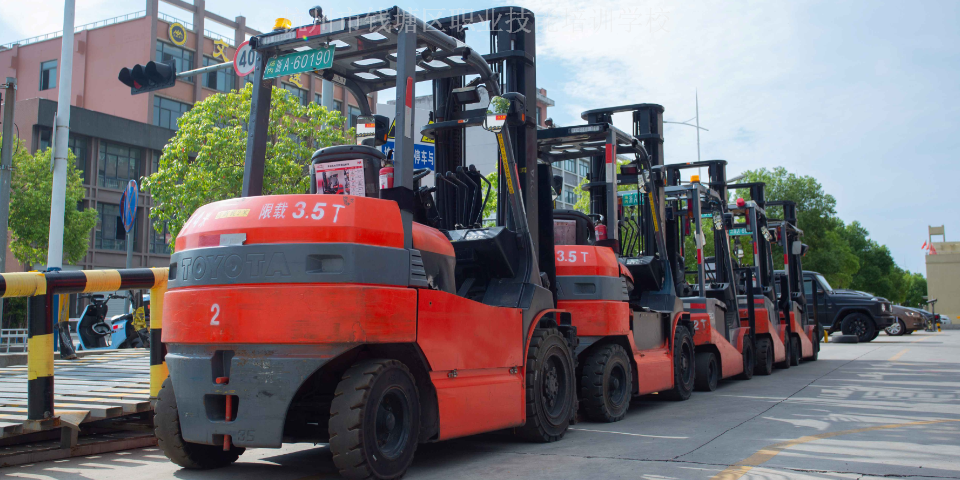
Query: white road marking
[631, 434]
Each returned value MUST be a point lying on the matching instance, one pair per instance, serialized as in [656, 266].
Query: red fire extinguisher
[386, 172]
[600, 231]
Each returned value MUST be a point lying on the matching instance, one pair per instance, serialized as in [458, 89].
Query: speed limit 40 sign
[244, 60]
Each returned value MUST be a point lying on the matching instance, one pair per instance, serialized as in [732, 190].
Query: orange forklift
[724, 346]
[770, 332]
[805, 330]
[633, 338]
[387, 317]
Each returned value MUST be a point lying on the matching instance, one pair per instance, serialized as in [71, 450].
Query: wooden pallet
[92, 388]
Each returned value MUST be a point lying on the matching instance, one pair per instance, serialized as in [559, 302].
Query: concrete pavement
[885, 409]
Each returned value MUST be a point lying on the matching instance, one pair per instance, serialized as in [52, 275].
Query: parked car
[908, 321]
[849, 311]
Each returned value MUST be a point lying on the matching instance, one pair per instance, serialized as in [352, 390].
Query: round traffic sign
[244, 60]
[128, 205]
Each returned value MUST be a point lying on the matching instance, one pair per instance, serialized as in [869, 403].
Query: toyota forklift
[805, 331]
[724, 346]
[387, 317]
[633, 338]
[771, 334]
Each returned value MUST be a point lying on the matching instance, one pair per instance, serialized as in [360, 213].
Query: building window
[159, 242]
[110, 234]
[118, 165]
[299, 93]
[584, 169]
[48, 75]
[568, 195]
[166, 112]
[338, 105]
[182, 58]
[78, 144]
[222, 80]
[318, 99]
[354, 113]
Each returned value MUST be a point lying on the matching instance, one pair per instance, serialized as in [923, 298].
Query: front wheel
[684, 365]
[606, 384]
[860, 325]
[550, 387]
[707, 372]
[788, 352]
[375, 420]
[898, 328]
[796, 351]
[764, 357]
[749, 360]
[166, 423]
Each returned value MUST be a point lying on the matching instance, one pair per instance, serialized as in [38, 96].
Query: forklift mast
[793, 250]
[757, 225]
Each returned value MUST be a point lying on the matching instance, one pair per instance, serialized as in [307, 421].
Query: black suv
[849, 311]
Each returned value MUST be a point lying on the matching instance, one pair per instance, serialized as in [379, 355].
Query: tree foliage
[204, 161]
[31, 188]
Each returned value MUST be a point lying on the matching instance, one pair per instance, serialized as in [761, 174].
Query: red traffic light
[152, 76]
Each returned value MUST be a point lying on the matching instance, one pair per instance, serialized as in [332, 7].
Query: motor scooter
[94, 332]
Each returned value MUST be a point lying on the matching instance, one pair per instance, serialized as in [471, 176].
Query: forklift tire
[684, 365]
[196, 456]
[788, 353]
[605, 385]
[550, 387]
[749, 360]
[764, 357]
[796, 350]
[707, 372]
[860, 325]
[817, 333]
[375, 420]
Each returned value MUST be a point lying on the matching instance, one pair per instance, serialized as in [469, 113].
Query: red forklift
[387, 317]
[724, 346]
[804, 328]
[633, 337]
[771, 334]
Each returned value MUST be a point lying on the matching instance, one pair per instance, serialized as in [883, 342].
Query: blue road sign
[422, 154]
[128, 205]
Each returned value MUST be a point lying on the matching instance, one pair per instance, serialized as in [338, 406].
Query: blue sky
[862, 95]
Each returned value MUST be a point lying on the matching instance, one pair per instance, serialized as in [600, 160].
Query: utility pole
[62, 136]
[6, 161]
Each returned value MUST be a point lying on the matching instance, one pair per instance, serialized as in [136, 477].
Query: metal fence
[41, 289]
[15, 338]
[77, 29]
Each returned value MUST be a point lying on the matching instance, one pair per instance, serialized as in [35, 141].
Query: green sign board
[739, 232]
[706, 215]
[300, 62]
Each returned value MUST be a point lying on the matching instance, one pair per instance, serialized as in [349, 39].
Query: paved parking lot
[886, 409]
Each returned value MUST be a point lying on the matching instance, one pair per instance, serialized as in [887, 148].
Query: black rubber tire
[606, 384]
[684, 365]
[844, 339]
[749, 360]
[371, 392]
[860, 325]
[707, 372]
[166, 422]
[788, 352]
[897, 329]
[796, 350]
[764, 357]
[876, 333]
[817, 335]
[551, 387]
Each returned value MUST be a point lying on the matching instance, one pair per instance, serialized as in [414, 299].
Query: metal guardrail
[217, 36]
[77, 29]
[172, 19]
[41, 288]
[13, 338]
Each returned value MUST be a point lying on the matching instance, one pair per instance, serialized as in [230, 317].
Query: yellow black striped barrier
[42, 287]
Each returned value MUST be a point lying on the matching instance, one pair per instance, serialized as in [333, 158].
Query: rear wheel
[551, 387]
[860, 325]
[749, 360]
[708, 372]
[898, 328]
[166, 423]
[683, 365]
[816, 344]
[606, 384]
[787, 354]
[375, 420]
[764, 357]
[796, 350]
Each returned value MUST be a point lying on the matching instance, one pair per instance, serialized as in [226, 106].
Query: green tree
[203, 162]
[916, 288]
[878, 273]
[829, 253]
[30, 196]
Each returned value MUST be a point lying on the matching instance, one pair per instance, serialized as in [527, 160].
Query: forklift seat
[583, 228]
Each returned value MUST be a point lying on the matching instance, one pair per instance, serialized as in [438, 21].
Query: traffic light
[153, 76]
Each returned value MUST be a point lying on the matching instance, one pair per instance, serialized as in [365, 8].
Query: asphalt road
[886, 409]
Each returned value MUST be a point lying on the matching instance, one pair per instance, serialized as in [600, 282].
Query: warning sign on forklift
[340, 178]
[422, 152]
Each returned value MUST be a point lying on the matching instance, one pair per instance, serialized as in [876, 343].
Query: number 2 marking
[215, 308]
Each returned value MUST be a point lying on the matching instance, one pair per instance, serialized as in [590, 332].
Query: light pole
[694, 125]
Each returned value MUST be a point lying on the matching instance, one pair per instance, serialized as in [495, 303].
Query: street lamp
[697, 125]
